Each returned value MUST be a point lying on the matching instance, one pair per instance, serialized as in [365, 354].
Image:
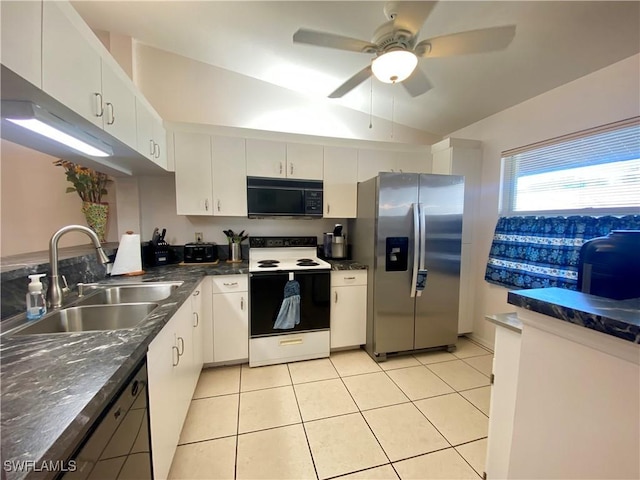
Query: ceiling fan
[396, 47]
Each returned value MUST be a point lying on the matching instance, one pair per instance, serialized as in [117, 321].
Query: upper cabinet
[151, 135]
[340, 182]
[210, 175]
[372, 162]
[267, 158]
[21, 36]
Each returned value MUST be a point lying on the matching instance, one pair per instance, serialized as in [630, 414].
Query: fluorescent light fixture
[394, 66]
[33, 117]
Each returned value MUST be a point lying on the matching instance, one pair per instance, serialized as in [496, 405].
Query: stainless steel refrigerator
[408, 232]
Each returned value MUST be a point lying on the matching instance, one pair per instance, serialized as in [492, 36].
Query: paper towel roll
[128, 257]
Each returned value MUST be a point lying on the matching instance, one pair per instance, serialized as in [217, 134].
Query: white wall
[35, 205]
[158, 209]
[602, 97]
[185, 90]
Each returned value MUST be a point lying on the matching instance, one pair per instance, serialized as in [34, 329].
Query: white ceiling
[555, 42]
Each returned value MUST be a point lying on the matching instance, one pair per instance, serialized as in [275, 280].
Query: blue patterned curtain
[539, 252]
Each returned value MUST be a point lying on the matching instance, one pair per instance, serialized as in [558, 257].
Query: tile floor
[417, 416]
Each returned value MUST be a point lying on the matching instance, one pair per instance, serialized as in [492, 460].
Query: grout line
[235, 464]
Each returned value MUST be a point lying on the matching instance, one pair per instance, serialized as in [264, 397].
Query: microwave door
[275, 201]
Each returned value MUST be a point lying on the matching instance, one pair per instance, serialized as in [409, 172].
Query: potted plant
[235, 239]
[90, 186]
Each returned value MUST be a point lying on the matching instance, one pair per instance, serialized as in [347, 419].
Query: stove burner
[268, 262]
[268, 265]
[307, 263]
[305, 260]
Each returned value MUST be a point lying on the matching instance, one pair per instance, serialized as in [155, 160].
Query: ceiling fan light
[394, 66]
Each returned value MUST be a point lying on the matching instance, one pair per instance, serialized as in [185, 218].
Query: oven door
[274, 312]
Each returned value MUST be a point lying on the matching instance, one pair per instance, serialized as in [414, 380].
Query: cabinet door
[266, 158]
[340, 182]
[197, 322]
[21, 33]
[230, 327]
[229, 177]
[371, 162]
[348, 316]
[119, 107]
[144, 130]
[304, 161]
[165, 426]
[194, 184]
[412, 162]
[160, 143]
[71, 68]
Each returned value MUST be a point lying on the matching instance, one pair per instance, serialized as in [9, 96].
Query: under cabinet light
[36, 119]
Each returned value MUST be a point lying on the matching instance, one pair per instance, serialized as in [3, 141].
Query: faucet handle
[66, 288]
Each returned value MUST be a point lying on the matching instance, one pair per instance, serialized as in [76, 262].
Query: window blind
[596, 170]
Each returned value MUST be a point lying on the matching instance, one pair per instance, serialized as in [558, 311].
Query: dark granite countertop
[345, 265]
[619, 318]
[54, 386]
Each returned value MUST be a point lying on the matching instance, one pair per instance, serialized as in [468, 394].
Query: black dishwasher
[118, 447]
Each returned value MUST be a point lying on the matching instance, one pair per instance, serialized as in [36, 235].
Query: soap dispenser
[36, 303]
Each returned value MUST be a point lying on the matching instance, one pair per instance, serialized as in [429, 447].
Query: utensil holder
[235, 253]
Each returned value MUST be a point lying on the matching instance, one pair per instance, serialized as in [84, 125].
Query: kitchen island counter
[54, 386]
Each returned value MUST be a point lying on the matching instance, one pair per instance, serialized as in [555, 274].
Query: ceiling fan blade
[352, 83]
[473, 41]
[410, 16]
[417, 83]
[330, 40]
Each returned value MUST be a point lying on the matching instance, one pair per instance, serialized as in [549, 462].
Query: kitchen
[612, 93]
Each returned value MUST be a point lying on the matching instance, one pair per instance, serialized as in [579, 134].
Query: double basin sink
[105, 307]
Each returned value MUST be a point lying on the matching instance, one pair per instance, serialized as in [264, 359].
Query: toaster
[200, 253]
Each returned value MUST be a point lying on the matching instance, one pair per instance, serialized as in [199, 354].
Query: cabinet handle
[156, 150]
[294, 341]
[195, 314]
[196, 293]
[280, 167]
[99, 106]
[230, 284]
[177, 357]
[291, 168]
[349, 278]
[110, 114]
[206, 204]
[241, 303]
[218, 204]
[328, 208]
[336, 297]
[181, 346]
[152, 147]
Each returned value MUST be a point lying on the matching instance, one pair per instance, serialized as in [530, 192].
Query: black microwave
[283, 197]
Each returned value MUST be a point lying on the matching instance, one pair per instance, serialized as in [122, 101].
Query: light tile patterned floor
[413, 416]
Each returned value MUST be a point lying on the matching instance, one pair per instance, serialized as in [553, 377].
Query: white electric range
[289, 300]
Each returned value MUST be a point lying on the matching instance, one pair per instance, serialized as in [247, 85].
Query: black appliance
[118, 446]
[276, 197]
[610, 266]
[200, 253]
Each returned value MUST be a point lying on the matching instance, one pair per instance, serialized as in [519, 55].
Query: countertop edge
[508, 320]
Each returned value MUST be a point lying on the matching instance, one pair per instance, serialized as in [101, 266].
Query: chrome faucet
[56, 291]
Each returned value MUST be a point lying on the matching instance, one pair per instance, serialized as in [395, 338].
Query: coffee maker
[335, 243]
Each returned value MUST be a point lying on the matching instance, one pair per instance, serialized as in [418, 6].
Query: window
[593, 172]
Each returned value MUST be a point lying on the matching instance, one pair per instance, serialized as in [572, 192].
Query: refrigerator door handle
[416, 247]
[421, 277]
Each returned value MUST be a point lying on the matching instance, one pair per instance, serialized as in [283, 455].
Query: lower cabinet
[174, 361]
[230, 318]
[348, 308]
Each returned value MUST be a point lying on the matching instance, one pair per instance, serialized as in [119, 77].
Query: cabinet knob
[99, 106]
[196, 293]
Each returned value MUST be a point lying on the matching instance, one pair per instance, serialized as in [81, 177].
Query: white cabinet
[348, 308]
[340, 182]
[201, 322]
[71, 67]
[210, 175]
[21, 39]
[412, 162]
[119, 106]
[371, 162]
[267, 158]
[151, 136]
[173, 374]
[230, 318]
[454, 156]
[194, 180]
[304, 161]
[229, 176]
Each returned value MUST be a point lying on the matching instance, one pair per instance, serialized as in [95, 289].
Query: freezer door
[441, 206]
[393, 305]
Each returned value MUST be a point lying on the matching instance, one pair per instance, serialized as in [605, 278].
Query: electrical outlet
[198, 237]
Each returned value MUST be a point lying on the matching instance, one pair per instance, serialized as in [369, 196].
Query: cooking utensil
[156, 236]
[164, 232]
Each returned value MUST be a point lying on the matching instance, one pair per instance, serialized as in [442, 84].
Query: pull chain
[393, 108]
[371, 103]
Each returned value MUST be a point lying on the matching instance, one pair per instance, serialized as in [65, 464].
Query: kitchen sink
[90, 317]
[134, 293]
